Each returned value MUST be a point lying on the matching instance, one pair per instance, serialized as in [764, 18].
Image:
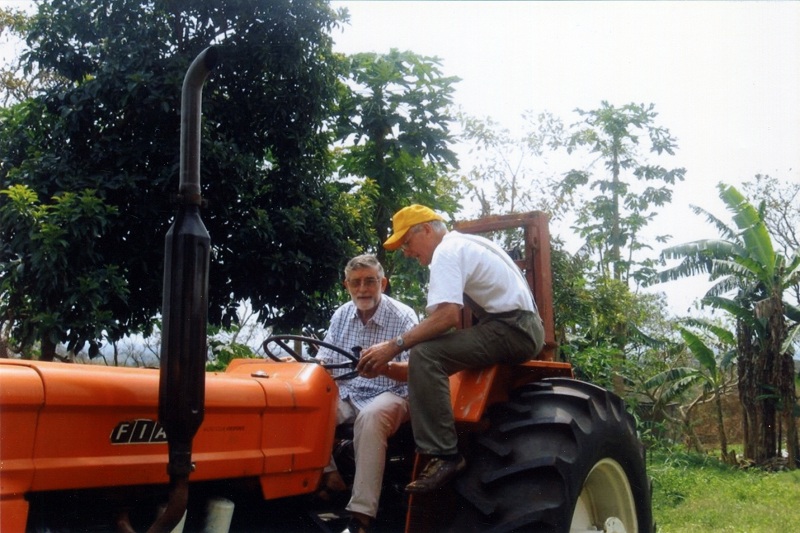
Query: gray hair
[363, 261]
[438, 226]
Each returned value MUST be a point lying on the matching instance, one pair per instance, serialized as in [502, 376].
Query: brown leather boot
[436, 474]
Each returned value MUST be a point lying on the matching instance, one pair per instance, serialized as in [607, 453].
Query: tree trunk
[758, 403]
[620, 341]
[789, 401]
[723, 439]
[5, 335]
[616, 232]
[48, 349]
[766, 385]
[746, 393]
[691, 440]
[788, 405]
[782, 379]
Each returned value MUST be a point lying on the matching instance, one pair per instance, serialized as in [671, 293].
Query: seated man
[464, 270]
[375, 404]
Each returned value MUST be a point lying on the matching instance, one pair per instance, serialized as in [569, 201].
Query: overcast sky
[724, 77]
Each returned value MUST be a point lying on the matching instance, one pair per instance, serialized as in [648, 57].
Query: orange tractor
[84, 447]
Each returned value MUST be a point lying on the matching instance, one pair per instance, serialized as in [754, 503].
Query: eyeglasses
[411, 232]
[366, 282]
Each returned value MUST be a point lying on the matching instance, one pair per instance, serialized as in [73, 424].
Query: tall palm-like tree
[750, 281]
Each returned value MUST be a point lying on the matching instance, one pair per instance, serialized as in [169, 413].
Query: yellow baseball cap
[404, 219]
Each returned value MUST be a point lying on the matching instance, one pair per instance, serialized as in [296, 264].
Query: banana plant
[707, 381]
[750, 280]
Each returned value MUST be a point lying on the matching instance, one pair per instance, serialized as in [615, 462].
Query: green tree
[781, 199]
[611, 220]
[56, 258]
[708, 379]
[280, 228]
[621, 200]
[590, 333]
[509, 176]
[394, 132]
[394, 124]
[745, 263]
[19, 82]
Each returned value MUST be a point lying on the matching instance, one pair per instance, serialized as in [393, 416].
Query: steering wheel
[280, 341]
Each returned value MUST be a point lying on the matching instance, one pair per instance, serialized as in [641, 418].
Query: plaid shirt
[391, 319]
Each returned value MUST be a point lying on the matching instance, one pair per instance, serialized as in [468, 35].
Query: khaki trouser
[372, 427]
[508, 339]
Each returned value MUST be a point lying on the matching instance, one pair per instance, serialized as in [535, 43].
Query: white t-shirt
[460, 266]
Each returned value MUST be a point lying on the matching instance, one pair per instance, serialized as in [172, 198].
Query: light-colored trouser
[372, 426]
[492, 341]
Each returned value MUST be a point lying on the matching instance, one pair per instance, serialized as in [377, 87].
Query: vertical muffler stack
[185, 304]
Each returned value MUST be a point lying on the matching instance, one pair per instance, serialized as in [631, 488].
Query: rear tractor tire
[561, 456]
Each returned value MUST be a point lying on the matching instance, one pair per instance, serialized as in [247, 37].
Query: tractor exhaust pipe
[181, 394]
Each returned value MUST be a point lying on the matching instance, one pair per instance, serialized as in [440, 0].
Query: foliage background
[109, 130]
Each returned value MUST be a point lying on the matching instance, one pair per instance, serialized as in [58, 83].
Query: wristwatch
[399, 342]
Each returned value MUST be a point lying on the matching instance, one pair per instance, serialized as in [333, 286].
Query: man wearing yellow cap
[464, 270]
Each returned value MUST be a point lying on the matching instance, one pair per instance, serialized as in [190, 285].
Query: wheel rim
[606, 501]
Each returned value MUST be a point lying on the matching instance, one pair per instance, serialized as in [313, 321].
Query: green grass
[697, 493]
